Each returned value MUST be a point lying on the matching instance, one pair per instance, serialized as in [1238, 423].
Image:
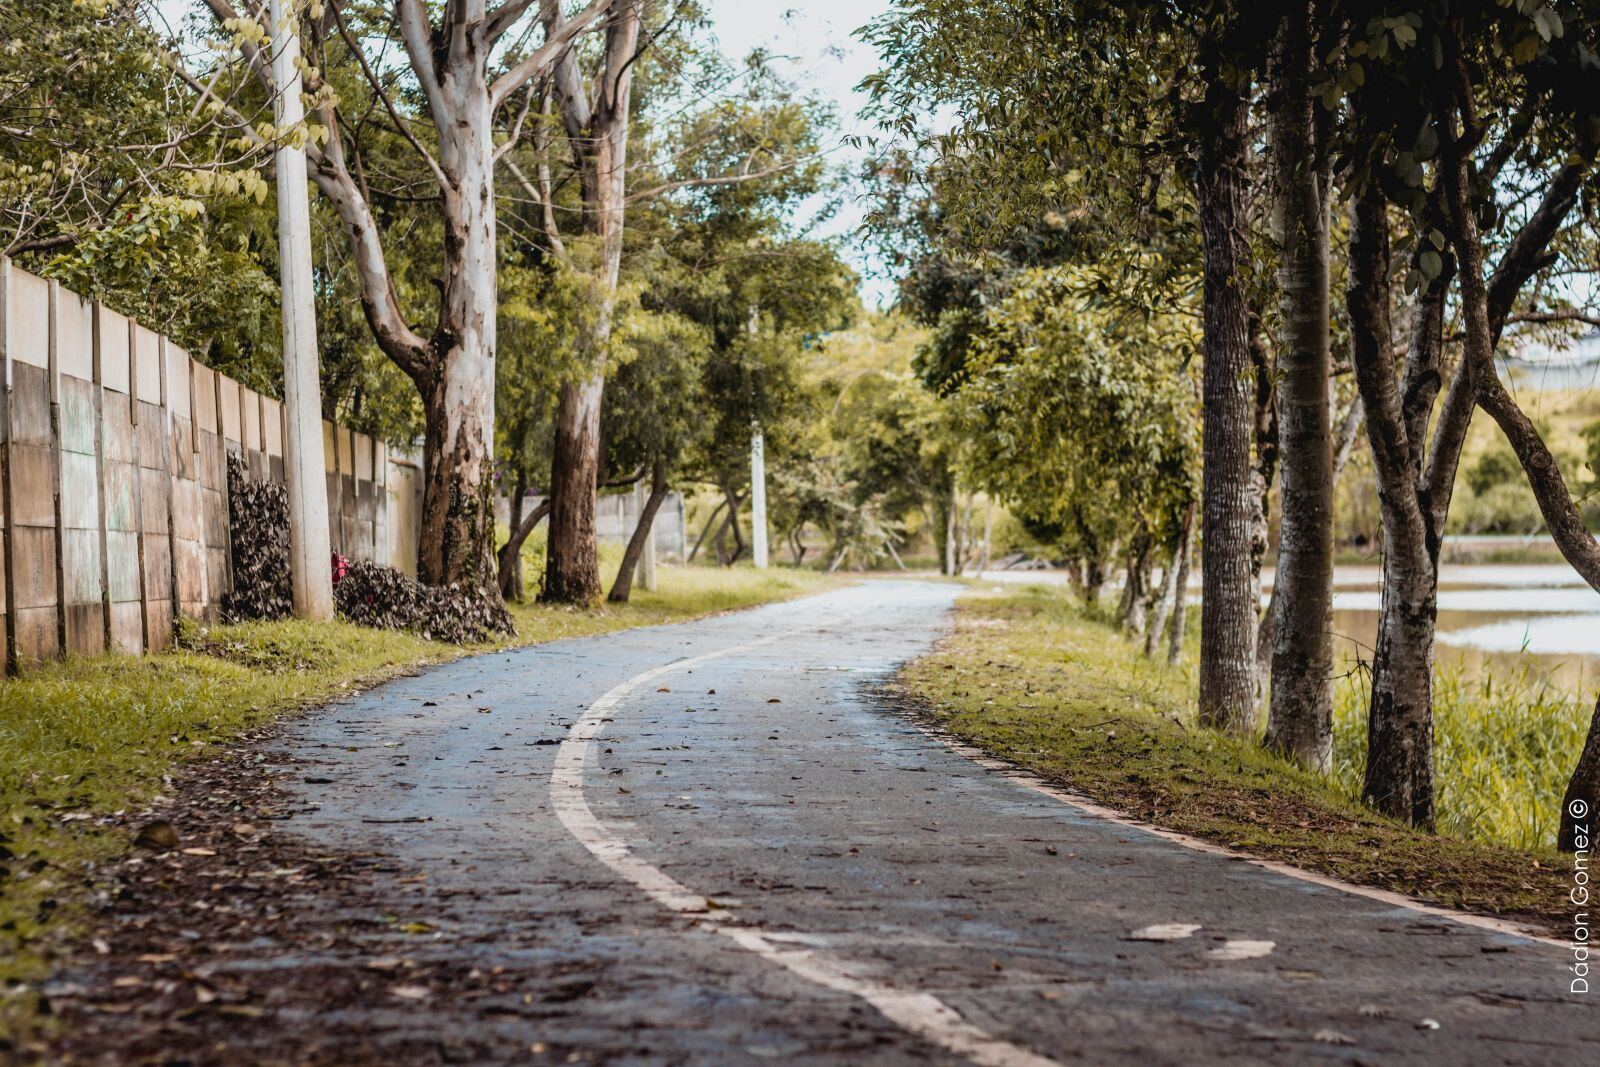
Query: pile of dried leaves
[258, 526]
[379, 596]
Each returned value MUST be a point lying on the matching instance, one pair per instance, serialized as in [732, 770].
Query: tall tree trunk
[572, 570]
[514, 512]
[705, 531]
[597, 131]
[623, 586]
[1227, 610]
[1169, 593]
[1300, 715]
[1583, 791]
[511, 551]
[1132, 609]
[1399, 773]
[1180, 604]
[1399, 776]
[1094, 582]
[572, 562]
[457, 541]
[1344, 444]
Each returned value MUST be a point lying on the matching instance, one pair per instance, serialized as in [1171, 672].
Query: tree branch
[388, 104]
[727, 179]
[1561, 516]
[1553, 316]
[504, 17]
[417, 34]
[560, 33]
[222, 11]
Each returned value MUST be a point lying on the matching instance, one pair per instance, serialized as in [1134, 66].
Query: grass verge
[1027, 676]
[85, 740]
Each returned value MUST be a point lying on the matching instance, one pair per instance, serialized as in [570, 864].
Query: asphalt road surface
[734, 851]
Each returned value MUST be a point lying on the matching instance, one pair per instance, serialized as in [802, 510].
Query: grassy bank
[83, 740]
[1504, 746]
[1027, 676]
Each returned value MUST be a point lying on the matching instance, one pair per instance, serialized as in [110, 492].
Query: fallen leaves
[1162, 932]
[157, 834]
[410, 992]
[1241, 950]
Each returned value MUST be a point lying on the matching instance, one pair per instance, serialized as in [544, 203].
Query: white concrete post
[309, 554]
[647, 558]
[758, 498]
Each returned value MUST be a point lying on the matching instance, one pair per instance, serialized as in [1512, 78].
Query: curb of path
[903, 705]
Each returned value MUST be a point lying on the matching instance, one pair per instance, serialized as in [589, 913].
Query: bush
[382, 597]
[258, 529]
[1498, 465]
[1507, 508]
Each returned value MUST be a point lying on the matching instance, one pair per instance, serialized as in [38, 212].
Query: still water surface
[1500, 616]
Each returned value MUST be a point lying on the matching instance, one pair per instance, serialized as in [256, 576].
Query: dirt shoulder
[246, 943]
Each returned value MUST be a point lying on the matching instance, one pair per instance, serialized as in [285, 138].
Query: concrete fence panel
[119, 483]
[80, 588]
[113, 479]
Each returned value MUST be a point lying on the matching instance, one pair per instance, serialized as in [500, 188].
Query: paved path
[732, 854]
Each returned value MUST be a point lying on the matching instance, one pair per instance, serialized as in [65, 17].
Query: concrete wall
[113, 478]
[616, 515]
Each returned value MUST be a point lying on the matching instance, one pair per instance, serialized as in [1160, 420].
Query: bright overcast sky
[825, 58]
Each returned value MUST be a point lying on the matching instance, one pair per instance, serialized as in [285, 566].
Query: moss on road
[1029, 677]
[84, 741]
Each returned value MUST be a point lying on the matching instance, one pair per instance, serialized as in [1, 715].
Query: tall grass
[1504, 746]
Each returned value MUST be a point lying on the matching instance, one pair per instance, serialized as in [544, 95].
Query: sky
[826, 59]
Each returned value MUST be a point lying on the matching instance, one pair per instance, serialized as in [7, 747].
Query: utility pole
[310, 572]
[758, 472]
[758, 497]
[647, 557]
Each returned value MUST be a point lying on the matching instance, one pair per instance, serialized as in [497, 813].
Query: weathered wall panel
[114, 514]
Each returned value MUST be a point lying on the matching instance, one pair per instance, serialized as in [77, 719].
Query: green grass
[1028, 676]
[1504, 746]
[84, 739]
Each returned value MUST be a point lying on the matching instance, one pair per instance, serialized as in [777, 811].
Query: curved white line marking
[920, 1013]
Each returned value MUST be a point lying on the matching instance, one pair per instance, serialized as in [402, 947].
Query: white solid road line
[919, 1013]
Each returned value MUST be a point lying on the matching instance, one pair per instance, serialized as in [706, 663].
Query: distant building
[1572, 364]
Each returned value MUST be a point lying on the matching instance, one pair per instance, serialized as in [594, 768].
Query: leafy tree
[1081, 418]
[1135, 116]
[112, 183]
[1471, 131]
[444, 107]
[655, 414]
